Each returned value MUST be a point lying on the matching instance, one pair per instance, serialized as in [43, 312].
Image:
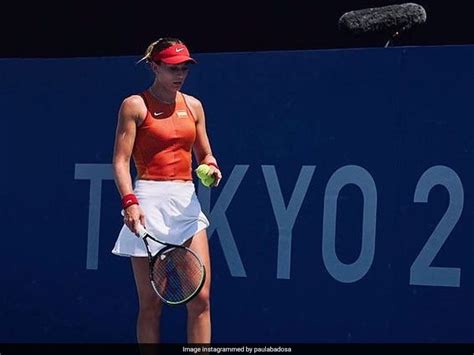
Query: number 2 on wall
[421, 273]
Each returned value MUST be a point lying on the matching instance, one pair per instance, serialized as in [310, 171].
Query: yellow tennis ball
[208, 180]
[202, 173]
[202, 170]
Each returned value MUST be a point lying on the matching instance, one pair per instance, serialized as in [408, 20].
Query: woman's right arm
[131, 113]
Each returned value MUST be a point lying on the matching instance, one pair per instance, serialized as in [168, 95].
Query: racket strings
[177, 274]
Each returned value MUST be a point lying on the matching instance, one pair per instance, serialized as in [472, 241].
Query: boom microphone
[390, 20]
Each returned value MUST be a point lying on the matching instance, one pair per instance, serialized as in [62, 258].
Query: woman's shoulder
[134, 106]
[133, 101]
[192, 101]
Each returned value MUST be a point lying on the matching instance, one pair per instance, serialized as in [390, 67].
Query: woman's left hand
[217, 175]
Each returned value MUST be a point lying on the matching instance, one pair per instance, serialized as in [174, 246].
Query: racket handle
[141, 231]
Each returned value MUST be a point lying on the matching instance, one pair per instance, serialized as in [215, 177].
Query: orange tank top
[164, 141]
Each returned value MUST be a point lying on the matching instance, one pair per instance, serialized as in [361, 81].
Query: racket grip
[141, 231]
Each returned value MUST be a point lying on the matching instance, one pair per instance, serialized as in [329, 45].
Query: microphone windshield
[387, 19]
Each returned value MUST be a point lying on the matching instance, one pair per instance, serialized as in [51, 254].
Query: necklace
[160, 99]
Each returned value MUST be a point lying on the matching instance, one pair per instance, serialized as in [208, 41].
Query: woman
[159, 128]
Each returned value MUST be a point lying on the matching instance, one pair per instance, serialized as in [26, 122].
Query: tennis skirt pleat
[172, 213]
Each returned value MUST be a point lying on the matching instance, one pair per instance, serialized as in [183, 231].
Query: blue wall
[345, 213]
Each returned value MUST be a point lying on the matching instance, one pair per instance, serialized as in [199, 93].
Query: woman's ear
[154, 67]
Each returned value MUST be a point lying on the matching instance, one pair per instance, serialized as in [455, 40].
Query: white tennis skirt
[172, 213]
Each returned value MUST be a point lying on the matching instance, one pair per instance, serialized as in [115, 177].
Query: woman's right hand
[132, 217]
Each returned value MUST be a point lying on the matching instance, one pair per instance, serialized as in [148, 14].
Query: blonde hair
[158, 46]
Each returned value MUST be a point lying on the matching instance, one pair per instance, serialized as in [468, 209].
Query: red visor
[177, 53]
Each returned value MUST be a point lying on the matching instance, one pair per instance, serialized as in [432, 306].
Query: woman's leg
[150, 305]
[199, 315]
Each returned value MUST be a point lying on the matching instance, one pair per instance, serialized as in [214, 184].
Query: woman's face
[171, 76]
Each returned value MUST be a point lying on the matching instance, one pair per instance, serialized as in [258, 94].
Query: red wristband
[213, 164]
[129, 200]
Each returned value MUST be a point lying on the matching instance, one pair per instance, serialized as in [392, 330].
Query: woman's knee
[200, 304]
[150, 307]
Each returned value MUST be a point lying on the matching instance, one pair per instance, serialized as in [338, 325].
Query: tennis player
[160, 128]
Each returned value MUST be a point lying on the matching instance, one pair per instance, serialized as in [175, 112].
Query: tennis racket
[177, 273]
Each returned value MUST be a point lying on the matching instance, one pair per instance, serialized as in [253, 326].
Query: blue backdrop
[345, 213]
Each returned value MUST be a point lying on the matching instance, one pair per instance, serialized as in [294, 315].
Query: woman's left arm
[202, 147]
